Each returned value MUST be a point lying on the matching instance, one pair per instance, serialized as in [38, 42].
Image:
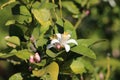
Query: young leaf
[85, 51]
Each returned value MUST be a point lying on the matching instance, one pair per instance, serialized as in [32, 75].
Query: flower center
[58, 46]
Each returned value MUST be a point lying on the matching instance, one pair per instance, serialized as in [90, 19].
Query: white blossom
[59, 41]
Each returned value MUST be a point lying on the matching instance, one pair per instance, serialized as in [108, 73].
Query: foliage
[46, 40]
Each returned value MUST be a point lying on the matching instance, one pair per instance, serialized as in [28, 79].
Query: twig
[108, 68]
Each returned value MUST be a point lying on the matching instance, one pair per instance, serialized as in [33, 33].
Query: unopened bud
[31, 59]
[87, 12]
[37, 57]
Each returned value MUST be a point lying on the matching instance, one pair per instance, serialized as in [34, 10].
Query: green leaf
[83, 50]
[82, 2]
[70, 6]
[5, 15]
[6, 55]
[13, 41]
[49, 6]
[42, 15]
[36, 32]
[16, 76]
[59, 21]
[22, 19]
[10, 22]
[23, 54]
[68, 27]
[41, 41]
[42, 63]
[36, 5]
[7, 3]
[88, 66]
[50, 53]
[88, 42]
[77, 67]
[24, 11]
[52, 69]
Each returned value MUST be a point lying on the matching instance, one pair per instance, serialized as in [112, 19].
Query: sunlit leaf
[23, 54]
[10, 22]
[17, 76]
[52, 69]
[77, 66]
[49, 5]
[38, 73]
[42, 15]
[24, 11]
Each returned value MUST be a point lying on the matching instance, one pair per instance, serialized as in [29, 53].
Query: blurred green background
[103, 22]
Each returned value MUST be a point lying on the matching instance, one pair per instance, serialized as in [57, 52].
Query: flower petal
[55, 41]
[72, 41]
[49, 46]
[67, 47]
[59, 36]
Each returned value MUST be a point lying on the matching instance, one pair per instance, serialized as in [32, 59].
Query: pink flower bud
[37, 57]
[31, 59]
[87, 12]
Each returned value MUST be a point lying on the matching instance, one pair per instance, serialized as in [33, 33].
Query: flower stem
[79, 21]
[108, 68]
[60, 4]
[81, 77]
